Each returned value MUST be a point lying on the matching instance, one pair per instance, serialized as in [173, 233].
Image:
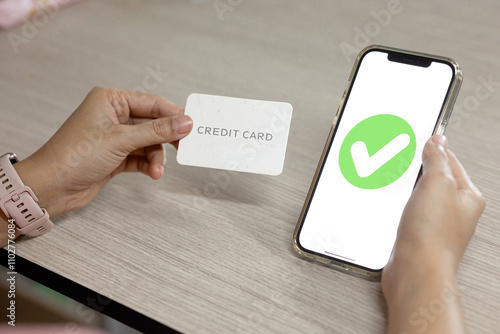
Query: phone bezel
[439, 128]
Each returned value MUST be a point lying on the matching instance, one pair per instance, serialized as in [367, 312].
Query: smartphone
[395, 100]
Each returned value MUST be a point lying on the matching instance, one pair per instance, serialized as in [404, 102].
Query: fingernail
[182, 124]
[440, 140]
[161, 168]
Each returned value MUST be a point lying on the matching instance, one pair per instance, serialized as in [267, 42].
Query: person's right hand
[435, 229]
[443, 209]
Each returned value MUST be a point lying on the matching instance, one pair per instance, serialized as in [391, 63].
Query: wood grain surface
[205, 251]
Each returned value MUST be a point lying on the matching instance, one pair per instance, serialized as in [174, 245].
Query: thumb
[434, 156]
[159, 131]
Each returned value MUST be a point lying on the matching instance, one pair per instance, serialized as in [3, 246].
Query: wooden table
[201, 254]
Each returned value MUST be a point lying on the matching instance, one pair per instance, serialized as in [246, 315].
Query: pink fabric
[48, 329]
[13, 12]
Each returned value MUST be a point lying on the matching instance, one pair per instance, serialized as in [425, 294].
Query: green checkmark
[377, 151]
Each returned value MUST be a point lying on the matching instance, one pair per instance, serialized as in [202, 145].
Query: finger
[157, 160]
[128, 104]
[158, 131]
[138, 120]
[147, 162]
[140, 152]
[150, 106]
[136, 164]
[434, 157]
[436, 172]
[434, 143]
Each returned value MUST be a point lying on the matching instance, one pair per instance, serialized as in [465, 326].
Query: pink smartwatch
[18, 201]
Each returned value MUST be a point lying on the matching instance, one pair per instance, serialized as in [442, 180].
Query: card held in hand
[236, 134]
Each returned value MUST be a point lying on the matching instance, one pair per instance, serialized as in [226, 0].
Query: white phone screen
[374, 159]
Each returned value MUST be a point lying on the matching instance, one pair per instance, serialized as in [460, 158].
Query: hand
[443, 209]
[112, 131]
[435, 229]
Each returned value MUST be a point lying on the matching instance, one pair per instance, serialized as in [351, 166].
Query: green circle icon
[377, 151]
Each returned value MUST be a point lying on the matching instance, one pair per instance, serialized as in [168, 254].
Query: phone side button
[342, 99]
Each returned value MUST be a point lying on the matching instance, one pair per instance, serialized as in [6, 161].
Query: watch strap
[18, 201]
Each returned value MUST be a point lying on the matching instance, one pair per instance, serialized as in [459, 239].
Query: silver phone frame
[440, 128]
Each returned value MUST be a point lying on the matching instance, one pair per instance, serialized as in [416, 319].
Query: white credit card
[236, 134]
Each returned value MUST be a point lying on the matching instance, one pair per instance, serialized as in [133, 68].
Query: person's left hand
[112, 131]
